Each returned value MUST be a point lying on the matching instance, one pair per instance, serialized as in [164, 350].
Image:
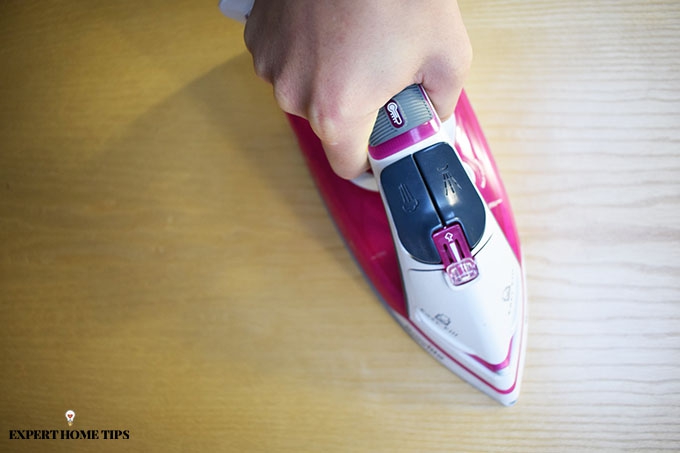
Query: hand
[336, 62]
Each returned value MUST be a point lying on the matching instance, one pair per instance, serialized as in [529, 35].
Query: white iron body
[474, 324]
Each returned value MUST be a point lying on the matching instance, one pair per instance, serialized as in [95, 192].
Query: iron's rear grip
[407, 119]
[424, 185]
[404, 112]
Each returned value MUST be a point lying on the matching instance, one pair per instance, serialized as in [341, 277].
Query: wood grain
[167, 267]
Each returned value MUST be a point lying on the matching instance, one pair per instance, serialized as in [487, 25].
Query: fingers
[350, 61]
[337, 116]
[344, 126]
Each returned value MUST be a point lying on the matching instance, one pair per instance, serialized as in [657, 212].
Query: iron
[432, 229]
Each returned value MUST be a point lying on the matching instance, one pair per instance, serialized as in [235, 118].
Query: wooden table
[168, 268]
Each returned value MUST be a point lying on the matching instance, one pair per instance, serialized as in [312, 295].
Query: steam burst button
[453, 193]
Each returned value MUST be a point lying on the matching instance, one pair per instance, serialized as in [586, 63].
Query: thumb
[443, 86]
[442, 75]
[444, 98]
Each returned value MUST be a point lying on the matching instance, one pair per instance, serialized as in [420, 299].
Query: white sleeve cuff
[236, 9]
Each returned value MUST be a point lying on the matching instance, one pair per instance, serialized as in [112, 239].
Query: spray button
[453, 194]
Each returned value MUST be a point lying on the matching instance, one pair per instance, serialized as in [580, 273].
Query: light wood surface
[168, 268]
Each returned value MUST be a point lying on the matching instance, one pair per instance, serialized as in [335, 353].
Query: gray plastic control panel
[427, 191]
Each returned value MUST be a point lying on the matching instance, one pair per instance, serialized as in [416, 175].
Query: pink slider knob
[459, 264]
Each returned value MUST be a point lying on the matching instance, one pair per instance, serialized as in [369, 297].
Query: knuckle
[258, 50]
[262, 69]
[252, 33]
[286, 98]
[326, 119]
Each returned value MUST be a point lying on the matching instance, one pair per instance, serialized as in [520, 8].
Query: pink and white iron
[433, 231]
[437, 239]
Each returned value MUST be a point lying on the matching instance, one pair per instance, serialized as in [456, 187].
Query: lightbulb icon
[70, 415]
